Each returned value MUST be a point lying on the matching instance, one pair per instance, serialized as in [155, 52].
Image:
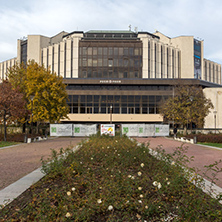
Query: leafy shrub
[210, 138]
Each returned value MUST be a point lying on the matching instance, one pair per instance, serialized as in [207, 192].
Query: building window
[121, 104]
[124, 60]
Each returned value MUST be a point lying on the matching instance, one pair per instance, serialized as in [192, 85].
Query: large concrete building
[123, 76]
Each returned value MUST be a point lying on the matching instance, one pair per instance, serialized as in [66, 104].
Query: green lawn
[212, 144]
[3, 144]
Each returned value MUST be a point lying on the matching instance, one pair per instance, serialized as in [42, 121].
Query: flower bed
[114, 179]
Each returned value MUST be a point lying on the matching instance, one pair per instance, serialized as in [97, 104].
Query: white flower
[73, 189]
[155, 183]
[141, 195]
[69, 193]
[91, 158]
[80, 162]
[68, 214]
[116, 141]
[107, 147]
[118, 154]
[172, 163]
[142, 164]
[139, 188]
[146, 207]
[140, 201]
[159, 185]
[166, 178]
[134, 158]
[168, 183]
[139, 174]
[99, 201]
[132, 177]
[129, 176]
[110, 207]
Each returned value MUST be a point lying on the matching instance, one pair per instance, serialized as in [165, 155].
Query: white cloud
[200, 18]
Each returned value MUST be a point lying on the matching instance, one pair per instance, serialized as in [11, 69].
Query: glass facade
[121, 104]
[110, 60]
[24, 45]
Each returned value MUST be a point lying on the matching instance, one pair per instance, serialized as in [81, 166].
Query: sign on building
[108, 129]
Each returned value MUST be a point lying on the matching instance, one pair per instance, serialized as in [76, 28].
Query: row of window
[109, 73]
[118, 87]
[109, 51]
[110, 60]
[115, 104]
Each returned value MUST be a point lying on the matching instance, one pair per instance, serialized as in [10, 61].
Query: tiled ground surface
[202, 155]
[18, 161]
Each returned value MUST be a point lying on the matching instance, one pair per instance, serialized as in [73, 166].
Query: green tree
[12, 105]
[189, 105]
[44, 91]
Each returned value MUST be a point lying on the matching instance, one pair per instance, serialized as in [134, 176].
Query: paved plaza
[203, 155]
[21, 164]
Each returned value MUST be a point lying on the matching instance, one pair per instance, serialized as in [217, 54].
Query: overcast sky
[198, 18]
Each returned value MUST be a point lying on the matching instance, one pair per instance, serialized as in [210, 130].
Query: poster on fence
[84, 130]
[60, 129]
[130, 129]
[108, 129]
[145, 130]
[162, 130]
[149, 130]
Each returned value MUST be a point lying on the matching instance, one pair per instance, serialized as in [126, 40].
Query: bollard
[195, 140]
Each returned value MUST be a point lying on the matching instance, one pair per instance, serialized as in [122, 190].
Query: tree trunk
[5, 128]
[37, 127]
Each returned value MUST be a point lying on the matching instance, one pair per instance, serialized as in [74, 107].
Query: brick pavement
[20, 160]
[202, 155]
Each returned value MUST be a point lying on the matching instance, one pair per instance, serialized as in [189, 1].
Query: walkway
[20, 165]
[203, 155]
[18, 161]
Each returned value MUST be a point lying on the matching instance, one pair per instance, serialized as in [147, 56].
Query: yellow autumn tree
[189, 105]
[44, 91]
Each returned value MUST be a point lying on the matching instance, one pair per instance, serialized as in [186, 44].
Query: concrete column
[68, 58]
[56, 59]
[75, 62]
[50, 49]
[144, 38]
[152, 58]
[62, 57]
[44, 50]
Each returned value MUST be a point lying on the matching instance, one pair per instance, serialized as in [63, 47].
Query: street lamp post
[111, 107]
[215, 120]
[111, 114]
